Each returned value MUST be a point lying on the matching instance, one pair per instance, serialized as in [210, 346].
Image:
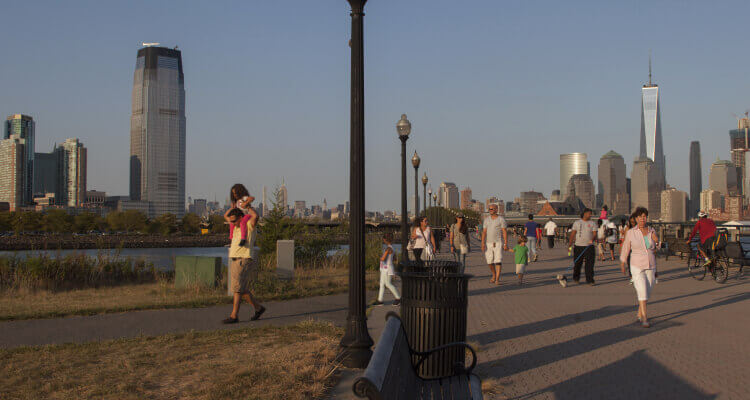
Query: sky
[495, 90]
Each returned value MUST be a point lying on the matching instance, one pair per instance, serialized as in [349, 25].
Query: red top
[705, 227]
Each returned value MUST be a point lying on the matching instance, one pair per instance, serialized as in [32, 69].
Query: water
[162, 258]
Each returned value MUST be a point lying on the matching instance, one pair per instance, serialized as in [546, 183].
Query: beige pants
[243, 272]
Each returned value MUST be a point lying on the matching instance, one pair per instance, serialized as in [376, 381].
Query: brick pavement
[541, 341]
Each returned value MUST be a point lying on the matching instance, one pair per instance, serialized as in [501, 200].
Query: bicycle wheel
[695, 267]
[721, 269]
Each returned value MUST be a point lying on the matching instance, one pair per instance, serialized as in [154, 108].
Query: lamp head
[415, 160]
[403, 127]
[424, 179]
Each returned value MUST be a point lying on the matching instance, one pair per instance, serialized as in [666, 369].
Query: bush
[74, 271]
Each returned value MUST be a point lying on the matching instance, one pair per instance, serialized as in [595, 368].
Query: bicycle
[718, 265]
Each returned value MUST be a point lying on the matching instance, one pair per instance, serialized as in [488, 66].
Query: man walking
[530, 232]
[243, 269]
[549, 230]
[582, 235]
[493, 243]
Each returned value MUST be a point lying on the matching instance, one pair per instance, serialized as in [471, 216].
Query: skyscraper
[23, 127]
[466, 198]
[612, 185]
[448, 195]
[12, 171]
[284, 196]
[723, 178]
[651, 140]
[645, 187]
[571, 164]
[582, 187]
[673, 203]
[45, 173]
[157, 131]
[71, 170]
[739, 146]
[696, 179]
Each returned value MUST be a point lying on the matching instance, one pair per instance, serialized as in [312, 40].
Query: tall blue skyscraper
[651, 140]
[157, 131]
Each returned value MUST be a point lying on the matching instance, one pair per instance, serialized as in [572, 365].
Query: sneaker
[258, 313]
[377, 303]
[230, 320]
[631, 281]
[396, 302]
[536, 257]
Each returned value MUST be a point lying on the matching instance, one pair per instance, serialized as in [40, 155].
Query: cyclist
[706, 228]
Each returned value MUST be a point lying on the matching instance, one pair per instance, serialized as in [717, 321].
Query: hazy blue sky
[495, 90]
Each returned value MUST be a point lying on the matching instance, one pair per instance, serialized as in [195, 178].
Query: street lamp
[356, 343]
[403, 127]
[424, 191]
[415, 162]
[429, 195]
[434, 200]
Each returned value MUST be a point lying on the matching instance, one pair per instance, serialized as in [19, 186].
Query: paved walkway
[537, 341]
[540, 341]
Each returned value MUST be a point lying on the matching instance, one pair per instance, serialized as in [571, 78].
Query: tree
[87, 221]
[57, 221]
[190, 223]
[217, 224]
[6, 221]
[277, 226]
[27, 221]
[167, 223]
[116, 221]
[134, 221]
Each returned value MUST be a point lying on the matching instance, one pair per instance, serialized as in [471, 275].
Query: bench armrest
[423, 355]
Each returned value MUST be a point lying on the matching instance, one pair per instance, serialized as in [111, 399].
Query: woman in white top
[424, 241]
[386, 271]
[640, 243]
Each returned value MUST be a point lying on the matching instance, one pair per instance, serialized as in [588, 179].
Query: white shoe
[631, 281]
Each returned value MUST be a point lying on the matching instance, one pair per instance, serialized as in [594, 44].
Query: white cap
[702, 214]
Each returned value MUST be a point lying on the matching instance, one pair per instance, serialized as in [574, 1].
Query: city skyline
[245, 105]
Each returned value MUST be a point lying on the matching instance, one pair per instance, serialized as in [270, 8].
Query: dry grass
[292, 362]
[324, 279]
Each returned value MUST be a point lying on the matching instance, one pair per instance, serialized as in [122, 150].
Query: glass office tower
[571, 164]
[157, 131]
[21, 126]
[651, 140]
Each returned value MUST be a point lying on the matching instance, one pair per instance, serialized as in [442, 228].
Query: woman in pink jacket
[640, 242]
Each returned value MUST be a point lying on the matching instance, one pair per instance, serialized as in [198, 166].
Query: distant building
[95, 197]
[652, 146]
[466, 199]
[738, 146]
[572, 164]
[723, 178]
[581, 186]
[696, 178]
[157, 131]
[711, 200]
[284, 196]
[13, 169]
[448, 195]
[556, 196]
[71, 173]
[612, 185]
[646, 187]
[22, 127]
[529, 200]
[673, 205]
[200, 207]
[45, 173]
[44, 202]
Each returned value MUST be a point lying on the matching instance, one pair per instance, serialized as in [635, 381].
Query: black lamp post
[424, 192]
[403, 127]
[356, 343]
[429, 194]
[415, 162]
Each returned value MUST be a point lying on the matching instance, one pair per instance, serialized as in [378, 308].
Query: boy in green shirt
[522, 258]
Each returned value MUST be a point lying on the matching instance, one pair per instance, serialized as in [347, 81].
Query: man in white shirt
[549, 231]
[583, 236]
[494, 241]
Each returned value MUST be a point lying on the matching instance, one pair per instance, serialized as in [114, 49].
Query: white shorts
[494, 253]
[643, 281]
[520, 268]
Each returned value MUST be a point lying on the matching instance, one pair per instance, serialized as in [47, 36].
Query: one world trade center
[651, 140]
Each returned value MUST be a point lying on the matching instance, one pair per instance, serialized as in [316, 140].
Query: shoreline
[87, 242]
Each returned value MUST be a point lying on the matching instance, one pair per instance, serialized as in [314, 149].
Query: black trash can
[434, 302]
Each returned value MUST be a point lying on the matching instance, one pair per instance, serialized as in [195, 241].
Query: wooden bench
[390, 375]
